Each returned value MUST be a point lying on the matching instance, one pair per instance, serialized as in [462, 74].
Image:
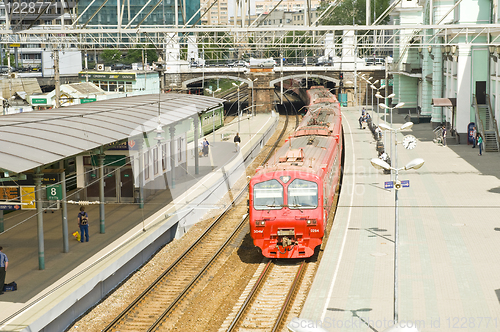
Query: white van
[269, 63]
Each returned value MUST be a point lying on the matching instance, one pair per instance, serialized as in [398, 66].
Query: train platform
[448, 257]
[72, 282]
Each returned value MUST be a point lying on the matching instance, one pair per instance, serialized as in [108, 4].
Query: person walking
[480, 144]
[205, 147]
[4, 263]
[83, 223]
[237, 141]
[444, 135]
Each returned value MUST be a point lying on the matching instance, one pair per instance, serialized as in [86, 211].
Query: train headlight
[260, 223]
[311, 222]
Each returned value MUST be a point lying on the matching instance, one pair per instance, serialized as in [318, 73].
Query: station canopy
[444, 102]
[33, 139]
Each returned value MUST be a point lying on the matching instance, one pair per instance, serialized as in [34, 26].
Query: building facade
[263, 6]
[218, 13]
[451, 79]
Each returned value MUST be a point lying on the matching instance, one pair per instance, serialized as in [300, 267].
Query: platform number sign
[54, 192]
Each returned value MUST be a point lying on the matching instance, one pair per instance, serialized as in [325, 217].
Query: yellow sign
[28, 196]
[15, 45]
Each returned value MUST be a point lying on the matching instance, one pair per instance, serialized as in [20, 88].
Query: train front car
[290, 198]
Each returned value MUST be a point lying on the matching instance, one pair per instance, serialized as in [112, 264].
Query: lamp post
[384, 106]
[239, 115]
[379, 96]
[213, 113]
[253, 99]
[372, 86]
[380, 164]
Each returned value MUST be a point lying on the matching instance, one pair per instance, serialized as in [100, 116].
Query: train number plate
[284, 232]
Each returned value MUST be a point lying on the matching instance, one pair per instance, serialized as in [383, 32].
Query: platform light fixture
[380, 164]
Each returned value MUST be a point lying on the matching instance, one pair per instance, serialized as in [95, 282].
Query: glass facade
[161, 15]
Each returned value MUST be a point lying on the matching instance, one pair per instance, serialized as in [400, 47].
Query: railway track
[163, 302]
[267, 306]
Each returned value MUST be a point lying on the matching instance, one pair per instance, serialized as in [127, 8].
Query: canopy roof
[444, 102]
[33, 139]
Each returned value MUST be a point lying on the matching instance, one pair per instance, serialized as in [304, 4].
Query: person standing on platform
[83, 223]
[480, 144]
[205, 147]
[444, 135]
[4, 263]
[237, 141]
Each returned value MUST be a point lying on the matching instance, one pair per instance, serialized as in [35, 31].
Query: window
[268, 195]
[302, 194]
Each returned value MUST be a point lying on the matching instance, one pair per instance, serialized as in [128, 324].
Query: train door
[126, 185]
[110, 187]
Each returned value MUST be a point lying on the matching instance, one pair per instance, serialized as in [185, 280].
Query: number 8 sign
[54, 192]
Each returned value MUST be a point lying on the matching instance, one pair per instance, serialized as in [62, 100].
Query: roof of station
[33, 139]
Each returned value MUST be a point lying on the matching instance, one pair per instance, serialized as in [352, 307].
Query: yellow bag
[77, 235]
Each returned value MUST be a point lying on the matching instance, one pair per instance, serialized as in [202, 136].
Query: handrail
[493, 120]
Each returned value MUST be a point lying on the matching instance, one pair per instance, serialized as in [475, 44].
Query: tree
[111, 56]
[136, 54]
[353, 12]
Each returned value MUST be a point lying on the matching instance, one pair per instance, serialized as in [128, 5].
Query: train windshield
[302, 194]
[268, 195]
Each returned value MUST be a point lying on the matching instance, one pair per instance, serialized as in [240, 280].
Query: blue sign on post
[389, 184]
[405, 183]
[10, 207]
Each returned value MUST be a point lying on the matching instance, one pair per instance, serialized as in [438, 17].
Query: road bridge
[263, 81]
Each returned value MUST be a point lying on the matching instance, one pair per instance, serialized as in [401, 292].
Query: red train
[291, 196]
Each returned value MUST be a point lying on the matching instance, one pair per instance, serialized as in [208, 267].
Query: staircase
[487, 126]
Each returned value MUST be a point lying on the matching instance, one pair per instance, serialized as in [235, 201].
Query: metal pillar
[64, 213]
[396, 230]
[101, 192]
[172, 156]
[195, 148]
[39, 216]
[1, 222]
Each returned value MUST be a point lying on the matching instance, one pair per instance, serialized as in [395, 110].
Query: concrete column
[264, 97]
[39, 216]
[465, 88]
[101, 193]
[64, 213]
[172, 156]
[426, 85]
[437, 83]
[195, 148]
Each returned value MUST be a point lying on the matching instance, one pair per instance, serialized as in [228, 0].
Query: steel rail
[251, 295]
[173, 265]
[289, 298]
[193, 282]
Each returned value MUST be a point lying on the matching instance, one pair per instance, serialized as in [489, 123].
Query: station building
[455, 80]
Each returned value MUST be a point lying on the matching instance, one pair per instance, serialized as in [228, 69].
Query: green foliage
[111, 56]
[353, 12]
[136, 54]
[12, 60]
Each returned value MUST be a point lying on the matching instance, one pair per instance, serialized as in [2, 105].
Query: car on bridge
[239, 63]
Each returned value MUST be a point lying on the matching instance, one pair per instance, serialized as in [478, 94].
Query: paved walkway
[449, 232]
